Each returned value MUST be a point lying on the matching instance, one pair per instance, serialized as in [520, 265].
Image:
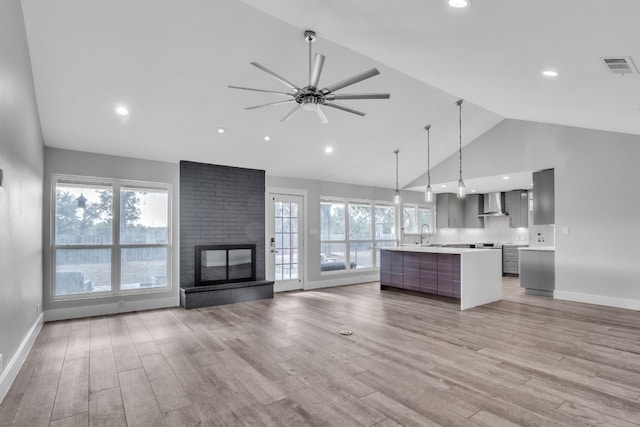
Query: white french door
[285, 241]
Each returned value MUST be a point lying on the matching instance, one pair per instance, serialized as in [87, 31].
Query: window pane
[360, 222]
[382, 245]
[332, 221]
[144, 216]
[409, 218]
[83, 214]
[143, 268]
[332, 256]
[81, 271]
[385, 222]
[424, 217]
[361, 254]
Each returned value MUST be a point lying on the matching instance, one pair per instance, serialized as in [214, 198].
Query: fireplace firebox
[218, 264]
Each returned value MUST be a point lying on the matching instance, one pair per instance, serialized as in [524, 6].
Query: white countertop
[436, 249]
[538, 248]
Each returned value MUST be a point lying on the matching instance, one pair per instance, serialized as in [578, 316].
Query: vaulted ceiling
[170, 63]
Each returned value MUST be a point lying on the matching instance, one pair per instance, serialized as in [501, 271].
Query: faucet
[422, 233]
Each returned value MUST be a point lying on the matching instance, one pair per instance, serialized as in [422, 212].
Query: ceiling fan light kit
[310, 97]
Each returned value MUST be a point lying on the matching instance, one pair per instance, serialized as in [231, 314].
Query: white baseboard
[12, 368]
[363, 278]
[597, 299]
[112, 308]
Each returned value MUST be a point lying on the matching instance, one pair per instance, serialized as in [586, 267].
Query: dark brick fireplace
[221, 206]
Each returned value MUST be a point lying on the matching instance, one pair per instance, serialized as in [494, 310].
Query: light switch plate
[1, 178]
[565, 230]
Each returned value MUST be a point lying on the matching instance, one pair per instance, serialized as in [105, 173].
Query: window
[353, 232]
[414, 218]
[98, 252]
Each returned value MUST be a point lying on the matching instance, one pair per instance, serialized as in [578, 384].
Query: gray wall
[314, 191]
[21, 159]
[220, 205]
[596, 173]
[100, 165]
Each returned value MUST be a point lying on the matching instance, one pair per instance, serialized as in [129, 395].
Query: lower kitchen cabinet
[440, 271]
[429, 273]
[510, 260]
[437, 274]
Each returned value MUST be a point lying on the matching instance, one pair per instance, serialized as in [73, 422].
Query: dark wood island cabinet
[439, 271]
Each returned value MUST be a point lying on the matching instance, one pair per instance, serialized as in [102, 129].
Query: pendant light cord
[460, 134]
[428, 127]
[396, 153]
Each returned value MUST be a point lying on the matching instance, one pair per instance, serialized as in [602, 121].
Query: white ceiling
[485, 184]
[170, 63]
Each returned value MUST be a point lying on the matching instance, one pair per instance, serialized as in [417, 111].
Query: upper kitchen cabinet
[473, 207]
[517, 206]
[449, 211]
[543, 197]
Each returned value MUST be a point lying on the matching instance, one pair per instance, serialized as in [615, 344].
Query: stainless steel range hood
[493, 205]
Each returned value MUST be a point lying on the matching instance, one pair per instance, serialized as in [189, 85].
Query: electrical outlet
[1, 363]
[121, 304]
[37, 309]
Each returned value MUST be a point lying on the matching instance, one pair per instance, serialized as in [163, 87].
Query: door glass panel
[286, 244]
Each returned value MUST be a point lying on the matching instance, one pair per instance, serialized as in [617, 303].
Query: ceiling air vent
[620, 65]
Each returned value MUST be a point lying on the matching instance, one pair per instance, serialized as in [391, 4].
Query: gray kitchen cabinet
[510, 260]
[517, 206]
[449, 211]
[473, 206]
[543, 197]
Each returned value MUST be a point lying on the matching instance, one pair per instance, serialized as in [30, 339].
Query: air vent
[620, 65]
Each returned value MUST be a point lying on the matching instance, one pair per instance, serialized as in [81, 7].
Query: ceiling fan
[310, 97]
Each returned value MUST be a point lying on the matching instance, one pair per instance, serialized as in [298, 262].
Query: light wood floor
[281, 362]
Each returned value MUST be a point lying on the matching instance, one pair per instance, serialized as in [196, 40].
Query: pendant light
[428, 193]
[397, 198]
[461, 190]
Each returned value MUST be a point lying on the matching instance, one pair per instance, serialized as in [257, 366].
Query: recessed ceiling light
[459, 3]
[443, 186]
[123, 111]
[550, 73]
[267, 138]
[505, 177]
[220, 130]
[473, 191]
[328, 150]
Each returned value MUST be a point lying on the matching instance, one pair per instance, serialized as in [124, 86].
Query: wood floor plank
[37, 402]
[167, 389]
[72, 397]
[80, 420]
[106, 408]
[103, 374]
[140, 406]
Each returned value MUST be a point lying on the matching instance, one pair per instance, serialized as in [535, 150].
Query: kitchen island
[474, 276]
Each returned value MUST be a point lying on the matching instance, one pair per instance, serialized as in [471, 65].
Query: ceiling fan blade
[314, 76]
[270, 103]
[291, 113]
[331, 97]
[321, 115]
[260, 90]
[344, 108]
[351, 80]
[277, 77]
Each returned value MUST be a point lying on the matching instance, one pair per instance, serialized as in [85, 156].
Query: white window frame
[115, 246]
[347, 241]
